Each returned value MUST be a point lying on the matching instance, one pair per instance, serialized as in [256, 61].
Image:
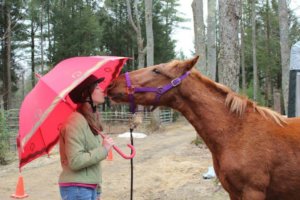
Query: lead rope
[131, 127]
[136, 119]
[131, 167]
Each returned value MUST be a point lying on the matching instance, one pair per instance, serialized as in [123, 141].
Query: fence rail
[11, 125]
[165, 115]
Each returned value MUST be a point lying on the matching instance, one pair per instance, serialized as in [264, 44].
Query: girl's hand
[107, 143]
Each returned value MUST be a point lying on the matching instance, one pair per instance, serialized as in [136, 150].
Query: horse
[255, 150]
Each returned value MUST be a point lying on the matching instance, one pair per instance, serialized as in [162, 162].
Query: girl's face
[98, 95]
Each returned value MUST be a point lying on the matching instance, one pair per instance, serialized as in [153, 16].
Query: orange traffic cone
[109, 155]
[20, 193]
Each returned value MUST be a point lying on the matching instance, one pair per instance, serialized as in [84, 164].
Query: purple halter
[159, 90]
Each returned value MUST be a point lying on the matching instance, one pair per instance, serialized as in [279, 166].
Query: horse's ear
[191, 62]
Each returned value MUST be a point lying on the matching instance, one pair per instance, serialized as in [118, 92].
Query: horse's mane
[238, 104]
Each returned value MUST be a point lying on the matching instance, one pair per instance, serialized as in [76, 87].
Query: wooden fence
[166, 116]
[114, 122]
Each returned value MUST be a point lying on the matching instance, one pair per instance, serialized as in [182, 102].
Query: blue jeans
[78, 193]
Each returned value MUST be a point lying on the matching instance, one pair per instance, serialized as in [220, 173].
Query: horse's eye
[156, 71]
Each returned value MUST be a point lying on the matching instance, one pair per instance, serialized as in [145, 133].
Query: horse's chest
[232, 175]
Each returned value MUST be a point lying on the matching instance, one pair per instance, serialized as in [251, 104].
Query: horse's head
[153, 85]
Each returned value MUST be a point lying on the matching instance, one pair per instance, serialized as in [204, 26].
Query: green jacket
[80, 152]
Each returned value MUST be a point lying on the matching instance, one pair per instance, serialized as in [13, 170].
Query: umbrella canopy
[47, 106]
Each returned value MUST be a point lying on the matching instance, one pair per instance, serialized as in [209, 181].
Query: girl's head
[88, 91]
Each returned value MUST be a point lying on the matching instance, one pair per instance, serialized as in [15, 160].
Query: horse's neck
[207, 112]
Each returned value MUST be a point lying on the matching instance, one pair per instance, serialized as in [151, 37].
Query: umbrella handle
[119, 150]
[122, 154]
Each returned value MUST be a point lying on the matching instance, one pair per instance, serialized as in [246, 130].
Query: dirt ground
[166, 167]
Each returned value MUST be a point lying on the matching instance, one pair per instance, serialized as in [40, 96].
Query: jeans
[78, 193]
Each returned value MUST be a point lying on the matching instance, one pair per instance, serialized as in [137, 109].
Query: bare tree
[268, 87]
[32, 46]
[42, 36]
[284, 49]
[244, 86]
[229, 57]
[49, 32]
[7, 60]
[155, 120]
[211, 39]
[254, 61]
[199, 30]
[149, 32]
[137, 28]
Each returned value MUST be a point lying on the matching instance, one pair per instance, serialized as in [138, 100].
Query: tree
[7, 59]
[149, 32]
[243, 66]
[41, 22]
[165, 18]
[10, 14]
[211, 39]
[34, 18]
[120, 39]
[137, 28]
[199, 30]
[76, 30]
[117, 40]
[269, 87]
[284, 49]
[155, 120]
[255, 73]
[229, 58]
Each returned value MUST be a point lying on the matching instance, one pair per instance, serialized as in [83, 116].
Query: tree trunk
[255, 73]
[199, 30]
[7, 62]
[244, 86]
[211, 39]
[229, 57]
[149, 32]
[155, 120]
[277, 102]
[284, 49]
[32, 34]
[42, 37]
[138, 31]
[268, 92]
[49, 34]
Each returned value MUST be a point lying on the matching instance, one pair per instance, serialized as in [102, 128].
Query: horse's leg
[253, 194]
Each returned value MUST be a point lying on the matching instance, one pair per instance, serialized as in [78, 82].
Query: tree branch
[130, 16]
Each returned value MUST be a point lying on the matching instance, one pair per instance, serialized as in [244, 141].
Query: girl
[81, 148]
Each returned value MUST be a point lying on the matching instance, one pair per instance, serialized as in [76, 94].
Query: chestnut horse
[255, 151]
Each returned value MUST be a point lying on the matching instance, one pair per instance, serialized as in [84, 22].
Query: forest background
[242, 44]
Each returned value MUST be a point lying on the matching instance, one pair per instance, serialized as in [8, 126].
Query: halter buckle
[175, 82]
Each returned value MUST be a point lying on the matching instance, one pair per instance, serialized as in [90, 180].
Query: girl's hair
[93, 118]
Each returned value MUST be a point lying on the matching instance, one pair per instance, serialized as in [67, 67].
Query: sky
[185, 37]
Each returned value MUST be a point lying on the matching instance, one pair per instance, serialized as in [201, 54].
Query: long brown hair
[93, 118]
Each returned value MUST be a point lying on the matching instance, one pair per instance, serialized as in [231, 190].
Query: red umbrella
[46, 107]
